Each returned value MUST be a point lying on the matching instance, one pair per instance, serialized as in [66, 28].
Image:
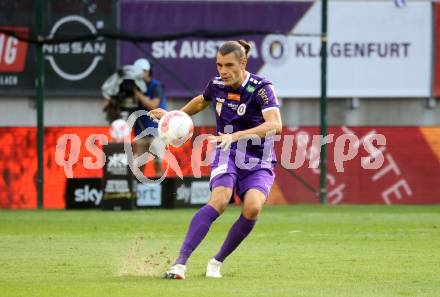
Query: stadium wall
[409, 174]
[394, 99]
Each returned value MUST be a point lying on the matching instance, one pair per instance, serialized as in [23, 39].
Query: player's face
[231, 69]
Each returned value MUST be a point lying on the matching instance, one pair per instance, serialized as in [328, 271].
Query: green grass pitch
[307, 250]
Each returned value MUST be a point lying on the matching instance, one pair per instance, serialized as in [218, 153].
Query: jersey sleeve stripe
[270, 108]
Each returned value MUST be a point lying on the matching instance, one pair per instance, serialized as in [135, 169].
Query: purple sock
[198, 228]
[239, 231]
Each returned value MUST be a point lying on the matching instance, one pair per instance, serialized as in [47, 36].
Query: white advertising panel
[375, 49]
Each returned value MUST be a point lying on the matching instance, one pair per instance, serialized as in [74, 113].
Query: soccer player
[245, 105]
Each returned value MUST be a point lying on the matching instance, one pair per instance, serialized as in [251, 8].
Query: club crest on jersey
[241, 110]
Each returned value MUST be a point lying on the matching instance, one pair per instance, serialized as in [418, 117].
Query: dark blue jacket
[155, 89]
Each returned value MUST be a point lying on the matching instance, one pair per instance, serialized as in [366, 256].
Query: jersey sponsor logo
[93, 50]
[250, 89]
[232, 105]
[255, 81]
[218, 82]
[218, 108]
[263, 95]
[221, 100]
[275, 49]
[234, 96]
[12, 50]
[241, 110]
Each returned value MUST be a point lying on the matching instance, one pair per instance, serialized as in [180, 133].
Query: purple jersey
[242, 109]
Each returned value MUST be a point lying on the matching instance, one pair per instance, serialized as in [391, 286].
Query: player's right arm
[194, 106]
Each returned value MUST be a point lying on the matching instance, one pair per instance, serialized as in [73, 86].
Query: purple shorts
[242, 180]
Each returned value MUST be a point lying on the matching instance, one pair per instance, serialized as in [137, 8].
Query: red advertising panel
[407, 169]
[12, 50]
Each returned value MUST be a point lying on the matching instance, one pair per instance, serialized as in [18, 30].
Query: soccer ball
[119, 129]
[175, 128]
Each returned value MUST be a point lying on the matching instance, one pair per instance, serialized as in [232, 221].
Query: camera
[120, 90]
[127, 88]
[125, 97]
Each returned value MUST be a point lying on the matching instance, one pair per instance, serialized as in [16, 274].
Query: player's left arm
[267, 100]
[272, 125]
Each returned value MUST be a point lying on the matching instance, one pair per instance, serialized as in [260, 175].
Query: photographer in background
[133, 88]
[118, 92]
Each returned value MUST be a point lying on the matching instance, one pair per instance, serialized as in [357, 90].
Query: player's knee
[251, 212]
[219, 204]
[220, 198]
